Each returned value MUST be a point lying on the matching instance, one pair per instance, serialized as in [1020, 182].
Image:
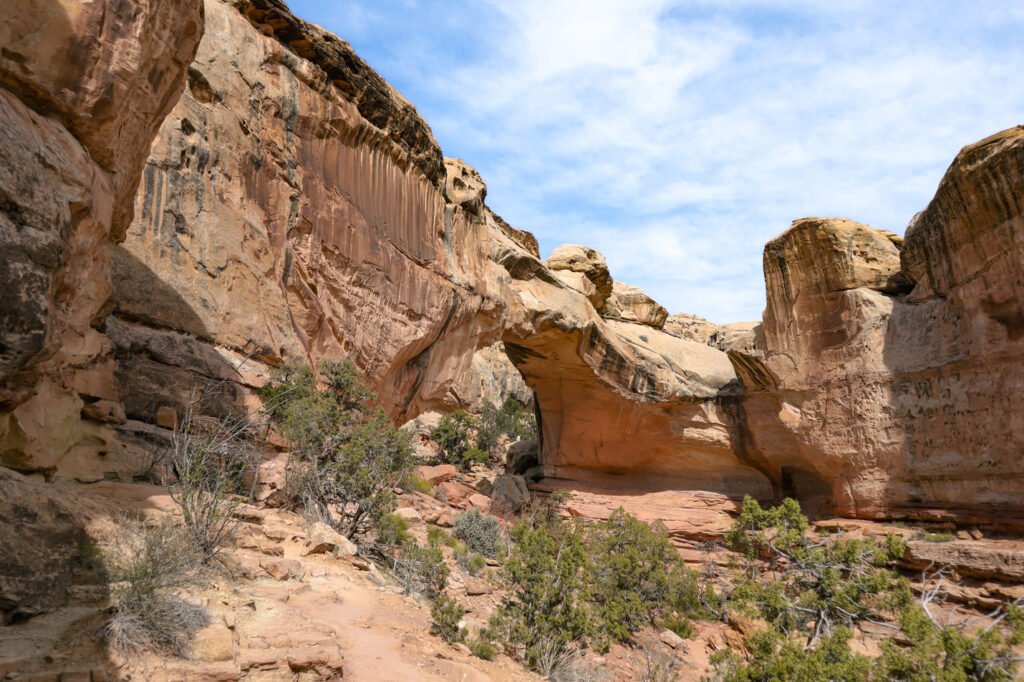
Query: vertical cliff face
[888, 379]
[83, 88]
[295, 206]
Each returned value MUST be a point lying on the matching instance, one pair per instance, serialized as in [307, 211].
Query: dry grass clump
[150, 568]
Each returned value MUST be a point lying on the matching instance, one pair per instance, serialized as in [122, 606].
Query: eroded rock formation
[884, 380]
[83, 87]
[891, 379]
[620, 398]
[295, 206]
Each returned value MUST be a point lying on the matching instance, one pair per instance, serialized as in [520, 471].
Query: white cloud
[678, 137]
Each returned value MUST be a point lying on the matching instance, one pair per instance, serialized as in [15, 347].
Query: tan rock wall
[294, 206]
[83, 87]
[889, 372]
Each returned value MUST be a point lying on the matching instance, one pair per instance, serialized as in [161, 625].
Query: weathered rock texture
[83, 87]
[889, 378]
[620, 397]
[295, 206]
[884, 380]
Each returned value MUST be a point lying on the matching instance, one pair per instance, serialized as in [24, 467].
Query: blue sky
[678, 137]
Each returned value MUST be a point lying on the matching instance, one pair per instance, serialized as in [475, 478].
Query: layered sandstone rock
[889, 380]
[617, 397]
[83, 88]
[691, 327]
[295, 206]
[632, 304]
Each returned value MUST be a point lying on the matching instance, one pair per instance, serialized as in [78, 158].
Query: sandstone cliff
[295, 206]
[883, 381]
[891, 378]
[83, 87]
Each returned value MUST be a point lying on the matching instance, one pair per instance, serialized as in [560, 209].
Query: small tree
[545, 615]
[637, 575]
[447, 613]
[812, 593]
[212, 458]
[454, 437]
[347, 455]
[512, 420]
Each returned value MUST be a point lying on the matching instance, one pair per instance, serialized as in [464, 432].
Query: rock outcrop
[620, 397]
[295, 206]
[83, 88]
[883, 381]
[632, 304]
[888, 380]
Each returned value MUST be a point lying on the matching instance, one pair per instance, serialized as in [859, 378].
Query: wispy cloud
[677, 137]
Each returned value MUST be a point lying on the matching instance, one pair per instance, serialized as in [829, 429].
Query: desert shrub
[941, 652]
[212, 458]
[573, 586]
[480, 532]
[148, 569]
[637, 575]
[482, 648]
[439, 536]
[813, 593]
[360, 471]
[446, 613]
[474, 564]
[393, 531]
[512, 420]
[412, 482]
[347, 455]
[758, 531]
[934, 537]
[421, 570]
[345, 382]
[657, 666]
[774, 657]
[453, 435]
[678, 624]
[545, 618]
[288, 384]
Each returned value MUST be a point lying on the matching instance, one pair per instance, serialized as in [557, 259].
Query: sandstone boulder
[283, 569]
[584, 270]
[437, 474]
[631, 304]
[410, 516]
[322, 539]
[521, 456]
[690, 327]
[510, 493]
